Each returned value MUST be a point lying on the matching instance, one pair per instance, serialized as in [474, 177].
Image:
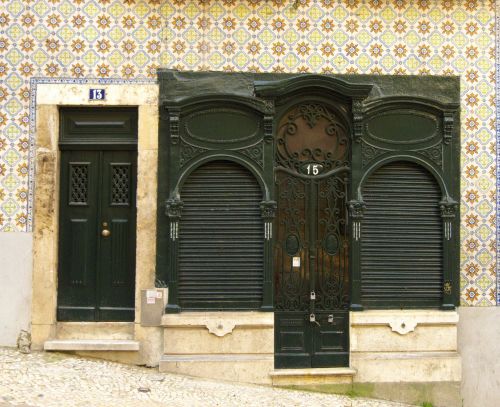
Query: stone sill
[336, 371]
[201, 318]
[91, 345]
[404, 355]
[422, 317]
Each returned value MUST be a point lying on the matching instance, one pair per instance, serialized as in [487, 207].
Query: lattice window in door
[120, 184]
[78, 183]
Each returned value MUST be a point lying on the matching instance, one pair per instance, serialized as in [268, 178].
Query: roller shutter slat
[221, 239]
[401, 238]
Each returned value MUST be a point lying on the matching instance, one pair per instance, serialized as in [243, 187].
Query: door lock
[105, 232]
[312, 318]
[313, 295]
[330, 318]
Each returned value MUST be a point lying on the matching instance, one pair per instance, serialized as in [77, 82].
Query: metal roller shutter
[401, 239]
[221, 239]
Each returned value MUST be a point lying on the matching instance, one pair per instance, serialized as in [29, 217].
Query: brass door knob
[105, 232]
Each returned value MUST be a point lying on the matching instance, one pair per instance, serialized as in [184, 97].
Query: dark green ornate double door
[97, 235]
[311, 242]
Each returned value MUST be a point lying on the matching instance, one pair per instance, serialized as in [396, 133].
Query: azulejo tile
[128, 40]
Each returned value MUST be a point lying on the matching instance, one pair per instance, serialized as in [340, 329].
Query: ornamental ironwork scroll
[312, 133]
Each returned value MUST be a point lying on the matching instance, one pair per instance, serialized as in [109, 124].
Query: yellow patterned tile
[315, 12]
[315, 61]
[363, 13]
[13, 107]
[460, 63]
[66, 33]
[485, 87]
[41, 8]
[216, 59]
[14, 56]
[291, 36]
[141, 9]
[67, 8]
[10, 182]
[241, 59]
[266, 36]
[40, 57]
[40, 33]
[388, 62]
[116, 10]
[91, 58]
[90, 33]
[91, 9]
[216, 35]
[459, 16]
[340, 14]
[65, 58]
[141, 58]
[216, 11]
[192, 58]
[116, 34]
[436, 15]
[116, 58]
[265, 12]
[192, 35]
[12, 157]
[364, 62]
[15, 7]
[316, 37]
[388, 14]
[436, 63]
[241, 11]
[411, 14]
[436, 39]
[242, 36]
[291, 61]
[12, 132]
[340, 37]
[141, 34]
[166, 9]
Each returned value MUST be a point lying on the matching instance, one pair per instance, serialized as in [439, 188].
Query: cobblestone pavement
[58, 380]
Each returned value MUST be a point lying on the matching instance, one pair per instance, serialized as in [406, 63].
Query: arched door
[311, 242]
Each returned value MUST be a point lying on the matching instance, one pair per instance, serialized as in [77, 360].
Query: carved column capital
[268, 209]
[173, 208]
[357, 209]
[448, 208]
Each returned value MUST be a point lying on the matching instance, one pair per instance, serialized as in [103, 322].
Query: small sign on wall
[97, 94]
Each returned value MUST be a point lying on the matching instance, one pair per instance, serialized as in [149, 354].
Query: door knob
[105, 231]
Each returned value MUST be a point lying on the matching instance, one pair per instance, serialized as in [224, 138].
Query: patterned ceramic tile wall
[129, 39]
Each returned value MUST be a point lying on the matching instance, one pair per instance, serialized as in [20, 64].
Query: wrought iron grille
[78, 183]
[120, 184]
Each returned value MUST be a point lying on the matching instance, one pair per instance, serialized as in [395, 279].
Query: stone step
[94, 330]
[91, 345]
[312, 376]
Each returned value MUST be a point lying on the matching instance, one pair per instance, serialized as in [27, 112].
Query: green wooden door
[97, 235]
[311, 242]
